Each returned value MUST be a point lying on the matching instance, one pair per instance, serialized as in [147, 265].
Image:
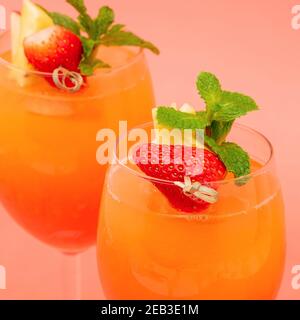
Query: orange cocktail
[233, 250]
[194, 211]
[50, 181]
[62, 80]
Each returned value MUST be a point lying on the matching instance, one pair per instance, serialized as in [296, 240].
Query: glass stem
[71, 273]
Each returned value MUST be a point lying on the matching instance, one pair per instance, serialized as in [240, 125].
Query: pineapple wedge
[31, 20]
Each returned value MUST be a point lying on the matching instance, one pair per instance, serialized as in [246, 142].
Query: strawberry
[52, 48]
[196, 167]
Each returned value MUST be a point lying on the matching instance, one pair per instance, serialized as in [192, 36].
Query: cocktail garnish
[94, 32]
[44, 41]
[192, 187]
[222, 108]
[61, 76]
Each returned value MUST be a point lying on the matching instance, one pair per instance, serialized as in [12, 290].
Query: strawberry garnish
[178, 165]
[53, 48]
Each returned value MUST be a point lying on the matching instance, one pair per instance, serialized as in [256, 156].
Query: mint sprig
[222, 105]
[95, 32]
[222, 109]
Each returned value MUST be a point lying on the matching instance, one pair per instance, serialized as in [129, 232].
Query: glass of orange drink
[50, 180]
[156, 241]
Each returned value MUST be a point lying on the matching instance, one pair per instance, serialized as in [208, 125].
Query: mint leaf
[78, 5]
[181, 120]
[84, 19]
[97, 63]
[220, 130]
[103, 21]
[87, 68]
[62, 20]
[235, 159]
[116, 36]
[116, 28]
[233, 105]
[209, 88]
[86, 24]
[88, 46]
[65, 21]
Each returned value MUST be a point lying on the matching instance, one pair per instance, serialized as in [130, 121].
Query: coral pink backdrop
[252, 47]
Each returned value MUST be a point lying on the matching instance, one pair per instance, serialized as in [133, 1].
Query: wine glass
[50, 180]
[235, 249]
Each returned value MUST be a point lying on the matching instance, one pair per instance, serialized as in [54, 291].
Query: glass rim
[132, 60]
[257, 172]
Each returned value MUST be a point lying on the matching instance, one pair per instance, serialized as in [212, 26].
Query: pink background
[252, 47]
